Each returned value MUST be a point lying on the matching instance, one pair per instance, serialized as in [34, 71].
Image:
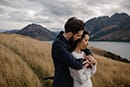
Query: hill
[38, 32]
[114, 28]
[25, 61]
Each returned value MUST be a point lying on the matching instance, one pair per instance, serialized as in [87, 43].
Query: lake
[119, 48]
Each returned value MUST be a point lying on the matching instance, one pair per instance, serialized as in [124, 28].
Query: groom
[61, 53]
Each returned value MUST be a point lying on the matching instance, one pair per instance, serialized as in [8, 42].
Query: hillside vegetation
[25, 61]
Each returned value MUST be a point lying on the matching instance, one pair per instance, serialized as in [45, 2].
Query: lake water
[119, 48]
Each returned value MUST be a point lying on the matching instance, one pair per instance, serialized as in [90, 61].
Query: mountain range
[114, 28]
[35, 31]
[104, 28]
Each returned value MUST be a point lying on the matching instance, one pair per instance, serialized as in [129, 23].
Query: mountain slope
[25, 61]
[37, 31]
[114, 28]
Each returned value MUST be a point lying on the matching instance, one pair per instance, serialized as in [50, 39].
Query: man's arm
[63, 55]
[87, 52]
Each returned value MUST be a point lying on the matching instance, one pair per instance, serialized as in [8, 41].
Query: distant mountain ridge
[11, 31]
[105, 28]
[37, 31]
[114, 28]
[2, 30]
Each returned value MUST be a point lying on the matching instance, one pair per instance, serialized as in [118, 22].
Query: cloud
[126, 5]
[54, 13]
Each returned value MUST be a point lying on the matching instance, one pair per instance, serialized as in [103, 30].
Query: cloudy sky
[52, 14]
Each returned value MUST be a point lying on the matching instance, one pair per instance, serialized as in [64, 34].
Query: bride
[82, 78]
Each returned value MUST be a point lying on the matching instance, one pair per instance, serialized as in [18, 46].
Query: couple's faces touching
[84, 42]
[75, 37]
[78, 35]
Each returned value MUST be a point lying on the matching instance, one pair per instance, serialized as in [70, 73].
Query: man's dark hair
[74, 25]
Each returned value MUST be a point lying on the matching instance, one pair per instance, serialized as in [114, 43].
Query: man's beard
[72, 43]
[71, 40]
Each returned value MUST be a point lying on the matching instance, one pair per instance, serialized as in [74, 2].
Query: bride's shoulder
[78, 55]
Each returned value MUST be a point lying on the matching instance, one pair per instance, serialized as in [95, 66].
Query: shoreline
[112, 40]
[108, 54]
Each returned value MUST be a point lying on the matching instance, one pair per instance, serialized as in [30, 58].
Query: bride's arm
[93, 64]
[94, 68]
[79, 75]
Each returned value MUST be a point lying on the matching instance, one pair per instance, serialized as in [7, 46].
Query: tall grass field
[25, 62]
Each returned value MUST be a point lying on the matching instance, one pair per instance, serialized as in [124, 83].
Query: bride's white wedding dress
[82, 78]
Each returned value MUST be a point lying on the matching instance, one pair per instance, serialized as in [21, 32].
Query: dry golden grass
[24, 62]
[111, 73]
[27, 58]
[14, 72]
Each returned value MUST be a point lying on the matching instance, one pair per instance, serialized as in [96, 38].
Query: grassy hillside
[24, 62]
[111, 73]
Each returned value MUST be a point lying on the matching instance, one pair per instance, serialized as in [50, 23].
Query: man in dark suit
[61, 53]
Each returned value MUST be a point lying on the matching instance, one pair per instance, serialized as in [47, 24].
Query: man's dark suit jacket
[63, 59]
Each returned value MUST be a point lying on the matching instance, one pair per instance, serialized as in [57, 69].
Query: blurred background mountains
[104, 28]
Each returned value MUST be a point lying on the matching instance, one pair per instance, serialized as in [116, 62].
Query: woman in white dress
[82, 78]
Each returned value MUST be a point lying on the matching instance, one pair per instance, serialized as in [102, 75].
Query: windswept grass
[111, 73]
[31, 54]
[14, 72]
[25, 61]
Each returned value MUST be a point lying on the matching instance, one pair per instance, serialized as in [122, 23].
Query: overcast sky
[52, 14]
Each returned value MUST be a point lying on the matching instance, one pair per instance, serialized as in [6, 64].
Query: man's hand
[86, 63]
[91, 59]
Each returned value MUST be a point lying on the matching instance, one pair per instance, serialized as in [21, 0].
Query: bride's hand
[91, 59]
[86, 63]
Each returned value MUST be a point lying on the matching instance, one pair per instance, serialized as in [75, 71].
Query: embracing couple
[74, 63]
